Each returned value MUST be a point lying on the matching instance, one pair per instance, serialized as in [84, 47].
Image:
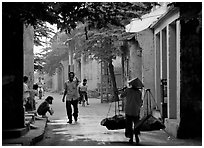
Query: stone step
[14, 133]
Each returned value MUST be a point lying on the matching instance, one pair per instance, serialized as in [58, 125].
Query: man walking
[71, 93]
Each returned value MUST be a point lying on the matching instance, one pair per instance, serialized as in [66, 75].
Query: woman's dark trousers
[129, 130]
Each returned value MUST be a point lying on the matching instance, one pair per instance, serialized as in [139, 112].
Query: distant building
[85, 67]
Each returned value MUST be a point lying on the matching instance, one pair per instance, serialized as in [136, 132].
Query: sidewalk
[33, 135]
[159, 137]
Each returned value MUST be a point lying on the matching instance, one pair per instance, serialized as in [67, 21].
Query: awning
[146, 20]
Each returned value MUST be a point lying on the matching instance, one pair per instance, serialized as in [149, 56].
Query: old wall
[142, 61]
[48, 81]
[117, 63]
[55, 81]
[91, 72]
[135, 60]
[146, 43]
[28, 44]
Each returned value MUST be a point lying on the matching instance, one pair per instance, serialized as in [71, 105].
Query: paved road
[88, 131]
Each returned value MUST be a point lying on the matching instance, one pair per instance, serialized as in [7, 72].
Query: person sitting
[44, 107]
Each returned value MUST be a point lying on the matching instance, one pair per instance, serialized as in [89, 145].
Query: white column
[178, 67]
[157, 68]
[75, 66]
[171, 71]
[163, 54]
[82, 66]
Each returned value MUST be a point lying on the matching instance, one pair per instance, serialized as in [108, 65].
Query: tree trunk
[115, 90]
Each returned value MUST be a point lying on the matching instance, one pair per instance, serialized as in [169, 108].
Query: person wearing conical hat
[133, 103]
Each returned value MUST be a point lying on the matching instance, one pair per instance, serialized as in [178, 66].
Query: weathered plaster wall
[146, 43]
[54, 82]
[141, 62]
[65, 69]
[28, 43]
[135, 61]
[118, 72]
[48, 81]
[91, 72]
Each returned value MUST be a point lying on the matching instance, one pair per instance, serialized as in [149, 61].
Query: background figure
[30, 104]
[82, 88]
[40, 88]
[33, 93]
[26, 92]
[70, 91]
[133, 103]
[44, 107]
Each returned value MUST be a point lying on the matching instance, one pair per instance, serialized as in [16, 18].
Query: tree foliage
[57, 52]
[104, 44]
[67, 14]
[38, 63]
[42, 31]
[95, 15]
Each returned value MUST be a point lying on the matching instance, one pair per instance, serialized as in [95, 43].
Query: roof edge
[169, 12]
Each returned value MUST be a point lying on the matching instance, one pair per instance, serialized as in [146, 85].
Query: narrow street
[105, 47]
[88, 131]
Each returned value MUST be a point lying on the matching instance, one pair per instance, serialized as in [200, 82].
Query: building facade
[167, 67]
[177, 46]
[170, 49]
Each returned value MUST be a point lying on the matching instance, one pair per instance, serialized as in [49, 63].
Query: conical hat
[136, 83]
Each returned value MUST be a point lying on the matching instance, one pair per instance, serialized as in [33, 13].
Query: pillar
[178, 87]
[171, 71]
[12, 74]
[82, 66]
[157, 68]
[163, 54]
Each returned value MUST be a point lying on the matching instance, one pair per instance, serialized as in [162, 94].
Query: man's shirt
[71, 88]
[83, 87]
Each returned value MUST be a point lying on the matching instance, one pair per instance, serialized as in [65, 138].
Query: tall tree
[57, 52]
[97, 15]
[67, 14]
[105, 45]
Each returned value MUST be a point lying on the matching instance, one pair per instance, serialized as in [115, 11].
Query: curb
[31, 137]
[39, 137]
